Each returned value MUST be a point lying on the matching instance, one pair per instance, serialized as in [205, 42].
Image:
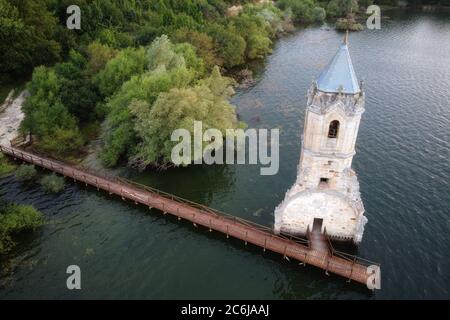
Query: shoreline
[11, 116]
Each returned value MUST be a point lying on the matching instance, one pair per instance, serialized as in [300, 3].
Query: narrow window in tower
[333, 129]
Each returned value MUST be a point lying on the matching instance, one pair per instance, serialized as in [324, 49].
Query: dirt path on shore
[11, 118]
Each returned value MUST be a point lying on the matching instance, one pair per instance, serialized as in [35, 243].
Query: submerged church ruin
[326, 192]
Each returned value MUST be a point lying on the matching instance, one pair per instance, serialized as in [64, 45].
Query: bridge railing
[216, 212]
[57, 165]
[347, 256]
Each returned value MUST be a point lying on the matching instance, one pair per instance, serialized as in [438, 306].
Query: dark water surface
[402, 161]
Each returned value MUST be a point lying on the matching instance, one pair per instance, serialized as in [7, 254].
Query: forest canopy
[131, 66]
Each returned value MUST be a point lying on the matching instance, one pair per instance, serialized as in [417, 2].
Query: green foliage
[119, 133]
[77, 93]
[192, 61]
[27, 30]
[276, 20]
[127, 63]
[365, 3]
[231, 46]
[179, 108]
[5, 166]
[348, 24]
[43, 109]
[169, 66]
[98, 56]
[46, 117]
[103, 72]
[302, 10]
[161, 54]
[52, 183]
[26, 172]
[33, 32]
[319, 14]
[15, 219]
[205, 45]
[390, 2]
[341, 8]
[115, 39]
[255, 32]
[62, 143]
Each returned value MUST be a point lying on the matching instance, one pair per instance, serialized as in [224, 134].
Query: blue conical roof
[339, 73]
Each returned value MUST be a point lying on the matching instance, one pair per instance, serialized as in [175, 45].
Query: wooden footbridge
[316, 250]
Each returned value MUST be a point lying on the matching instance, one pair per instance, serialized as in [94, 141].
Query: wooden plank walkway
[348, 266]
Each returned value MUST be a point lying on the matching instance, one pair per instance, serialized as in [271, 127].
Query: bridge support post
[328, 264]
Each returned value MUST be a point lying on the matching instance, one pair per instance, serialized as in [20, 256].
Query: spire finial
[346, 37]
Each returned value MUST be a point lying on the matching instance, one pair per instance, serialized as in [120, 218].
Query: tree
[219, 85]
[98, 55]
[302, 10]
[192, 61]
[77, 93]
[119, 134]
[255, 32]
[169, 66]
[206, 48]
[161, 54]
[46, 117]
[179, 108]
[27, 29]
[231, 45]
[319, 14]
[122, 67]
[365, 3]
[62, 143]
[341, 8]
[44, 111]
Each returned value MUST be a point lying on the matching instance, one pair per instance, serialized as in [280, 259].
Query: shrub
[301, 9]
[62, 143]
[205, 45]
[348, 24]
[230, 45]
[52, 183]
[14, 219]
[120, 69]
[5, 166]
[341, 8]
[26, 172]
[319, 14]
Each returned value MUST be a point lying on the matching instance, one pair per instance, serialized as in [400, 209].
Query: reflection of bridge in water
[316, 250]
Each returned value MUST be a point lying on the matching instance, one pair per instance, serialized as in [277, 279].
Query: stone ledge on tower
[340, 207]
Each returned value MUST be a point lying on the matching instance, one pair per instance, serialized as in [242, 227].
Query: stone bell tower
[326, 192]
